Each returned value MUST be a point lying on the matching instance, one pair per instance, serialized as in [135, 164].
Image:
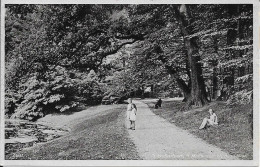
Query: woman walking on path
[131, 113]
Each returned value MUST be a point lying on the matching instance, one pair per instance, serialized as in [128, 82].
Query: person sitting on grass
[213, 120]
[158, 103]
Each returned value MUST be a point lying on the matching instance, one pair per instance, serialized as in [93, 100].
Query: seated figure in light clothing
[212, 120]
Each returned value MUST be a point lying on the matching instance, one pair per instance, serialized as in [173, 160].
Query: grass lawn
[102, 137]
[232, 134]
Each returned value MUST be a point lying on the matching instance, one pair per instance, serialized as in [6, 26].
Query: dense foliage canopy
[58, 56]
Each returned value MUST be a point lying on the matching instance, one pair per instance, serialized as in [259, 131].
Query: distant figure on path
[213, 120]
[158, 103]
[131, 113]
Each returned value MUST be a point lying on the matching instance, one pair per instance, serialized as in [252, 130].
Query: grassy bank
[231, 135]
[102, 137]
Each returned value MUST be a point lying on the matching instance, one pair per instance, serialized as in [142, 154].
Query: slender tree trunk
[198, 96]
[239, 32]
[214, 65]
[180, 82]
[174, 74]
[185, 89]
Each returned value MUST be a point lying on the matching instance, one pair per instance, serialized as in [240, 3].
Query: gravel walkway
[157, 139]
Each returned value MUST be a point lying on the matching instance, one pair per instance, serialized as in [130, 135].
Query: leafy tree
[172, 44]
[39, 44]
[198, 27]
[39, 97]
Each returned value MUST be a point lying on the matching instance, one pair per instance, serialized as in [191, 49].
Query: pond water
[21, 134]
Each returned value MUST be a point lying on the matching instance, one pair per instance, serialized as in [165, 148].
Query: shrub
[54, 93]
[58, 90]
[243, 90]
[241, 97]
[11, 99]
[89, 90]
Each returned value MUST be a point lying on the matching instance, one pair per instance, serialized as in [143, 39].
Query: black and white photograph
[86, 81]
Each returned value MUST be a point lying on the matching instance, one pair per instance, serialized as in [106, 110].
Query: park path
[157, 139]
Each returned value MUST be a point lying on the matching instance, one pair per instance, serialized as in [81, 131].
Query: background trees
[204, 50]
[203, 33]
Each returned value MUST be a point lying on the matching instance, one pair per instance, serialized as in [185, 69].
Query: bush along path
[157, 139]
[98, 134]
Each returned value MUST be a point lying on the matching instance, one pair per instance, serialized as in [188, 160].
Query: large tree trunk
[198, 96]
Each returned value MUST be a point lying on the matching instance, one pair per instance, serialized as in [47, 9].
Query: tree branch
[131, 36]
[112, 51]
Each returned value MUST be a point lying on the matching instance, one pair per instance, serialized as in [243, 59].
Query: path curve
[157, 139]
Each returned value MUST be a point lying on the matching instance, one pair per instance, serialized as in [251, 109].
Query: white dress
[131, 112]
[213, 120]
